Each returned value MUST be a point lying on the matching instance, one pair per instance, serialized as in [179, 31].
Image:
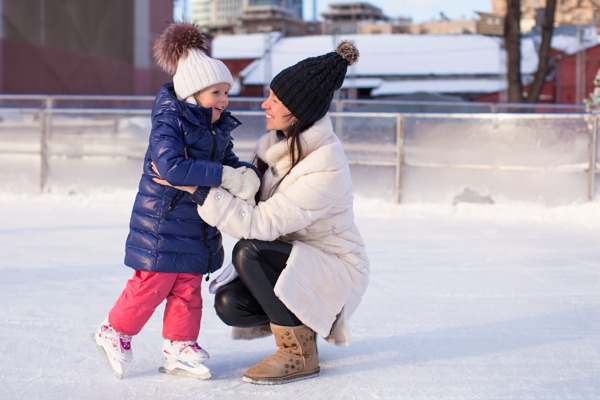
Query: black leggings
[250, 300]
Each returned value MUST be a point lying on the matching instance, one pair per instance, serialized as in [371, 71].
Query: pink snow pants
[146, 291]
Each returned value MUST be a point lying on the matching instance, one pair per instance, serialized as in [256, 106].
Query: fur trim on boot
[255, 332]
[295, 359]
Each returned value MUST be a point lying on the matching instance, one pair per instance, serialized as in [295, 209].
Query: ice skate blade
[281, 381]
[114, 365]
[201, 374]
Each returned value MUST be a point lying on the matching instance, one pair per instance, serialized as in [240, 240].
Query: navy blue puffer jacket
[165, 232]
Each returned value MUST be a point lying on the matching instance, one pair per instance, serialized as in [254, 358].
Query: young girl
[169, 246]
[302, 264]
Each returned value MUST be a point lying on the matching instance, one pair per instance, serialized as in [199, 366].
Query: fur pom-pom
[348, 51]
[174, 42]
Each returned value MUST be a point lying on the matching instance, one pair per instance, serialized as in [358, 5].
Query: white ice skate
[185, 358]
[114, 347]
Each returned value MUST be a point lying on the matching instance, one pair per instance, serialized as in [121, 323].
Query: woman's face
[279, 118]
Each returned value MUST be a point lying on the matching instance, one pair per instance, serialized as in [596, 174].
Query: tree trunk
[512, 44]
[544, 53]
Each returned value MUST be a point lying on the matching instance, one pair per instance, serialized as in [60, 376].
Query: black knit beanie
[307, 88]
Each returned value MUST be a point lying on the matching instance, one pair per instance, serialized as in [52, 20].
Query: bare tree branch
[512, 44]
[544, 53]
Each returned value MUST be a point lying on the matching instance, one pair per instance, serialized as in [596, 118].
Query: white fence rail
[403, 157]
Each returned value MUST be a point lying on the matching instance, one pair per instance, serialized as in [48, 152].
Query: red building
[571, 81]
[81, 46]
[574, 80]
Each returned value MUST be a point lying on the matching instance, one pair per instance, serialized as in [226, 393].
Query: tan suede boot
[295, 359]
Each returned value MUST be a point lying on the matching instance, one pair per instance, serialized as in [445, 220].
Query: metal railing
[406, 143]
[253, 103]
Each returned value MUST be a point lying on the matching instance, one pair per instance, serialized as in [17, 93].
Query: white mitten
[241, 182]
[229, 273]
[232, 179]
[254, 182]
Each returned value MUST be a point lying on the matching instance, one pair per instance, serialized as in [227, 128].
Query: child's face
[214, 97]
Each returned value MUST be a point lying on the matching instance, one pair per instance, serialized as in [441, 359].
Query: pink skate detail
[119, 342]
[185, 350]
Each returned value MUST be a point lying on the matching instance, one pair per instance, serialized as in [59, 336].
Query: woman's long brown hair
[294, 148]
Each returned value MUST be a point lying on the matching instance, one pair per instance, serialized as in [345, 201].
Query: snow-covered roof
[459, 58]
[250, 46]
[359, 83]
[439, 86]
[569, 39]
[392, 56]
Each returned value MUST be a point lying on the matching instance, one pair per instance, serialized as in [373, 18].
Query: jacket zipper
[212, 158]
[174, 200]
[209, 252]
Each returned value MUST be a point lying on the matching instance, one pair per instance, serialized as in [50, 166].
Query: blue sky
[418, 10]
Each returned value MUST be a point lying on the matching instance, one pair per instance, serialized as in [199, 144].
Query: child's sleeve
[168, 154]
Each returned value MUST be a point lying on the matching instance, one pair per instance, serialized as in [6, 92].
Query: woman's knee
[225, 306]
[235, 308]
[244, 250]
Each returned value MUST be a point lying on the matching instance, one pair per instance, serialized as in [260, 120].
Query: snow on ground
[465, 302]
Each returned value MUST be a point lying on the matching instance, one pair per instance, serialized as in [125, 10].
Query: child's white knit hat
[180, 49]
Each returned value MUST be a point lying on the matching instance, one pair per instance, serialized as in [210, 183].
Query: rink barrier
[50, 120]
[253, 103]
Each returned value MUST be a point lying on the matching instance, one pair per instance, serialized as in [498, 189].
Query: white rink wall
[445, 158]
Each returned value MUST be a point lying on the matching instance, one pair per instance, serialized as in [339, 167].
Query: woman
[301, 261]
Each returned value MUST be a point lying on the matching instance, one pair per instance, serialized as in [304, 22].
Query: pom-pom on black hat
[307, 88]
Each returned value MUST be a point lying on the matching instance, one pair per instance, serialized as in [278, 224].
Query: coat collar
[194, 114]
[274, 151]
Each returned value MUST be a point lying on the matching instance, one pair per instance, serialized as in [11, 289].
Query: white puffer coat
[328, 270]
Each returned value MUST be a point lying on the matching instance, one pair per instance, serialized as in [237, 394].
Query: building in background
[445, 26]
[398, 25]
[490, 24]
[239, 51]
[223, 15]
[81, 46]
[346, 18]
[568, 12]
[226, 17]
[392, 66]
[273, 15]
[417, 67]
[200, 12]
[574, 62]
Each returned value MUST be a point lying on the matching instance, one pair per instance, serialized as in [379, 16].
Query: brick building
[81, 46]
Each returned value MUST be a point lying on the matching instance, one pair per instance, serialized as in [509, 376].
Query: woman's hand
[189, 189]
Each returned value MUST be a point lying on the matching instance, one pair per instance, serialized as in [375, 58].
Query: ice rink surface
[471, 301]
